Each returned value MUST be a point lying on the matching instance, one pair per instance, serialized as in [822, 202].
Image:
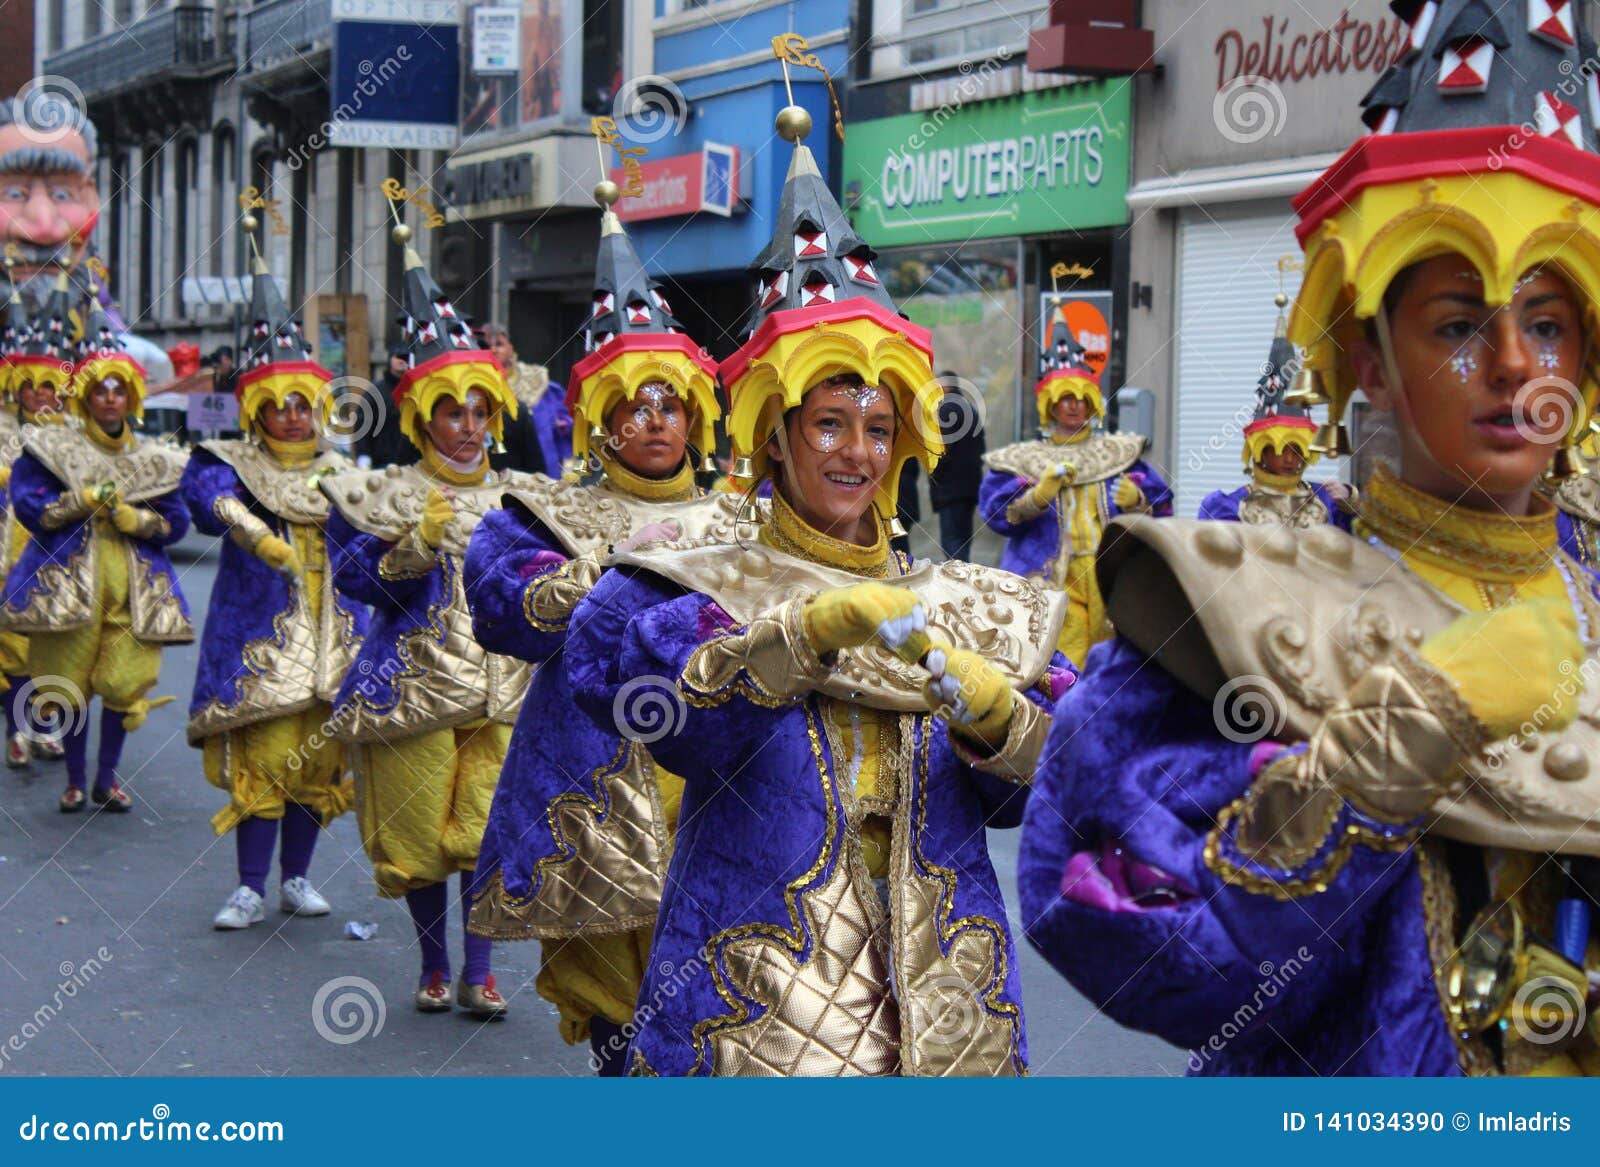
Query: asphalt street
[109, 964]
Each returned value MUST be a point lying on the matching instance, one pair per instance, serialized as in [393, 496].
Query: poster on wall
[1090, 317]
[541, 60]
[494, 39]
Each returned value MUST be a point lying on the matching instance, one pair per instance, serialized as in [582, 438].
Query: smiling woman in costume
[582, 821]
[279, 634]
[94, 589]
[1051, 498]
[428, 710]
[846, 725]
[1398, 790]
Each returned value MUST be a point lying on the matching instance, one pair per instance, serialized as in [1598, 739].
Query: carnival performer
[846, 724]
[31, 380]
[426, 708]
[279, 634]
[93, 589]
[582, 820]
[1052, 497]
[1375, 836]
[543, 408]
[1277, 451]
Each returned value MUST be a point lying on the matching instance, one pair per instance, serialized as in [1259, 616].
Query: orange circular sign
[1089, 327]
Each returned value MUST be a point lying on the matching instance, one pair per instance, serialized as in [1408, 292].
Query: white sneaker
[301, 899]
[242, 909]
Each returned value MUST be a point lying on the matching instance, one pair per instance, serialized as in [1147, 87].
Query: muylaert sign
[1294, 47]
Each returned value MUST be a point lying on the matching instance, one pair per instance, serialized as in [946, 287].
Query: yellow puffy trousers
[586, 975]
[103, 659]
[13, 657]
[423, 802]
[1085, 624]
[287, 759]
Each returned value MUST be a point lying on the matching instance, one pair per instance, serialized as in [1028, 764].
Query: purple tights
[430, 908]
[112, 737]
[255, 838]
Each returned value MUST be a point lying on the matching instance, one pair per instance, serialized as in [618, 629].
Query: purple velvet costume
[755, 813]
[1224, 505]
[1032, 546]
[33, 488]
[249, 593]
[553, 424]
[1136, 770]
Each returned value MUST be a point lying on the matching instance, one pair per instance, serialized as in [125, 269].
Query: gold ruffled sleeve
[1374, 766]
[769, 661]
[244, 528]
[410, 558]
[549, 601]
[1018, 756]
[148, 524]
[1025, 508]
[70, 507]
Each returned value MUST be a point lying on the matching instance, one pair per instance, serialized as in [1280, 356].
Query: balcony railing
[282, 30]
[174, 40]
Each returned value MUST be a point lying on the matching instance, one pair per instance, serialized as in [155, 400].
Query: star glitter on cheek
[1464, 364]
[880, 447]
[827, 440]
[1549, 357]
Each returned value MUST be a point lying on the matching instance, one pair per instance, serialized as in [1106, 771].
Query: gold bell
[499, 446]
[1568, 463]
[1308, 390]
[1333, 440]
[597, 433]
[897, 529]
[708, 465]
[743, 467]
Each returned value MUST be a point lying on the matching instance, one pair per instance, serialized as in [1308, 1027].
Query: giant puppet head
[49, 200]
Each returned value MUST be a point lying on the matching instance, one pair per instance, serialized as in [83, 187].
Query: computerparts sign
[1046, 161]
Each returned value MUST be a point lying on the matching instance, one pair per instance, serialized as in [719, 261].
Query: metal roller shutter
[1227, 276]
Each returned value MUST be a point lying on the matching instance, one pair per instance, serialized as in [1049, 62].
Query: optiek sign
[1050, 160]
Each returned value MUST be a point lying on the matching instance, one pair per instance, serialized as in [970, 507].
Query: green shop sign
[1051, 160]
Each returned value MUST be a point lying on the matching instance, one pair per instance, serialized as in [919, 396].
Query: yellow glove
[5, 477]
[853, 616]
[277, 554]
[437, 512]
[103, 494]
[1129, 497]
[125, 518]
[969, 692]
[1055, 480]
[1511, 665]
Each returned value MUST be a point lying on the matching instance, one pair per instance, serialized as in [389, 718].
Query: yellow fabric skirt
[287, 759]
[423, 801]
[586, 975]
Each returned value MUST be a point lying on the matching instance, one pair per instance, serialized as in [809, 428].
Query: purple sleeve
[1221, 505]
[1133, 777]
[627, 646]
[32, 489]
[169, 506]
[998, 491]
[508, 552]
[353, 557]
[1156, 491]
[205, 480]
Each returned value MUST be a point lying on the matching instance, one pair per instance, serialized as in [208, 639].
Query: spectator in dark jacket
[953, 485]
[378, 437]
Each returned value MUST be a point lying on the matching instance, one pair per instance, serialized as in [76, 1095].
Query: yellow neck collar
[1483, 545]
[441, 471]
[679, 487]
[290, 453]
[1059, 439]
[105, 441]
[53, 417]
[1282, 483]
[788, 532]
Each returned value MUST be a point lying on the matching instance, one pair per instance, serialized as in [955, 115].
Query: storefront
[1261, 99]
[972, 203]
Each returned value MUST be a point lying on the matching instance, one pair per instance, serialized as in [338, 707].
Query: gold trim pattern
[290, 492]
[388, 503]
[1300, 509]
[594, 518]
[1101, 457]
[550, 599]
[145, 470]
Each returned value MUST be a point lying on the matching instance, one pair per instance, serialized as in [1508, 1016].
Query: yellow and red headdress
[276, 361]
[39, 349]
[1279, 421]
[822, 311]
[1482, 143]
[443, 355]
[1064, 371]
[632, 340]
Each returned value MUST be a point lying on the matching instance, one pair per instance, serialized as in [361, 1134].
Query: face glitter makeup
[1465, 364]
[1549, 357]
